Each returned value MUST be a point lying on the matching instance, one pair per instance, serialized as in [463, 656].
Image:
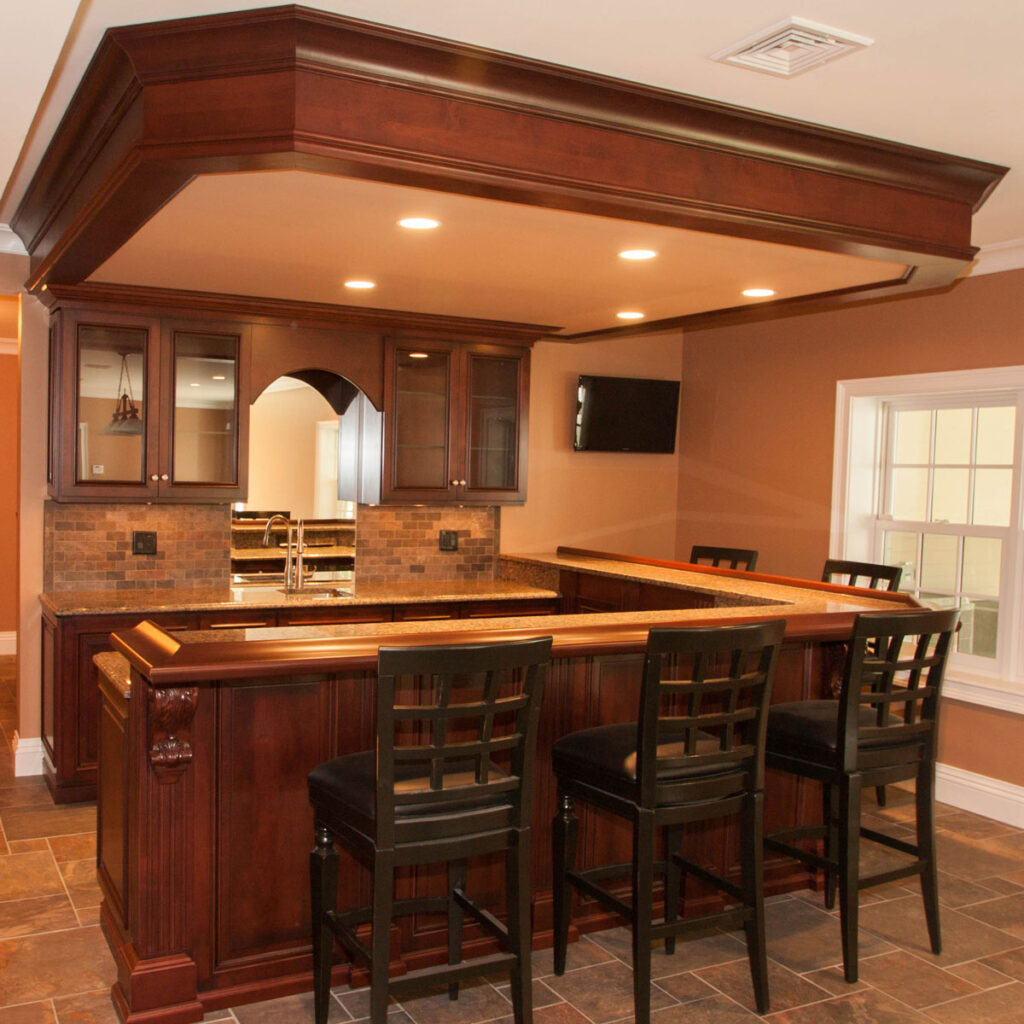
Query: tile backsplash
[400, 542]
[89, 546]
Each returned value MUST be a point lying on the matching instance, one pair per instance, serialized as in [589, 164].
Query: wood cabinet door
[103, 417]
[420, 422]
[492, 448]
[204, 414]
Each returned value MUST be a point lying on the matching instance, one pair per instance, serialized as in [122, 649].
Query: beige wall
[613, 501]
[8, 479]
[282, 450]
[758, 420]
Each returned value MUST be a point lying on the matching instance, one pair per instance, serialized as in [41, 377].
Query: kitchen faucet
[293, 559]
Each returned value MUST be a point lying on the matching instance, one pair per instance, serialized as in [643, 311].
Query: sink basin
[320, 592]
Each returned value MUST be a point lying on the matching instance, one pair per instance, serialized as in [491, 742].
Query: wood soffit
[293, 88]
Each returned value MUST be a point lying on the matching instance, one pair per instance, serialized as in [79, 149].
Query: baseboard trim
[8, 642]
[28, 755]
[981, 794]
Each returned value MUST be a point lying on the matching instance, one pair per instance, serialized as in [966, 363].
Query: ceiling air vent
[791, 47]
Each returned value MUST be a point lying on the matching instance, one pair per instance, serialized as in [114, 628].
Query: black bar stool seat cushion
[348, 785]
[809, 730]
[605, 755]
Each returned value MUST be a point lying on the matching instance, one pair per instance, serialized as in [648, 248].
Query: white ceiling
[940, 75]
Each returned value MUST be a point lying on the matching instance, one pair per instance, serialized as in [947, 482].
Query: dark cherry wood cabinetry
[70, 697]
[455, 423]
[147, 408]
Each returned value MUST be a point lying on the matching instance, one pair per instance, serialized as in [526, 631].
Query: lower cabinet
[70, 694]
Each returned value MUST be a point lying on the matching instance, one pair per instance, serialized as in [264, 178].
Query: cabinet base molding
[28, 755]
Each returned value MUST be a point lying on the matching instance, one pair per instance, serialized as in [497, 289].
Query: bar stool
[695, 753]
[878, 576]
[737, 558]
[452, 777]
[881, 730]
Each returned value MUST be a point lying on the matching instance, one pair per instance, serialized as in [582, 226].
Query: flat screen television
[626, 414]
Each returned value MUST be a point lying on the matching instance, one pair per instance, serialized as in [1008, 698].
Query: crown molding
[994, 259]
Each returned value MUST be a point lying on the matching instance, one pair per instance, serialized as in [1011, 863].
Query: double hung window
[928, 477]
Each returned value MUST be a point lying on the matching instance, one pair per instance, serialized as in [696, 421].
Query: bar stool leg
[383, 905]
[517, 873]
[564, 834]
[828, 811]
[752, 856]
[323, 874]
[643, 910]
[925, 799]
[673, 838]
[849, 860]
[456, 882]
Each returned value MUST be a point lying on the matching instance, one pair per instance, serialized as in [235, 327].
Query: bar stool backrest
[703, 711]
[456, 739]
[894, 670]
[879, 577]
[732, 558]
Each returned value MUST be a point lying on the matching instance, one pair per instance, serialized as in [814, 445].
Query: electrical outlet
[448, 540]
[143, 542]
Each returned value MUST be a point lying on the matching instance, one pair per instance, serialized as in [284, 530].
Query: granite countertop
[110, 602]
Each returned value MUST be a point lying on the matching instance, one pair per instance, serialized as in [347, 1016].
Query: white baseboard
[981, 794]
[8, 642]
[28, 755]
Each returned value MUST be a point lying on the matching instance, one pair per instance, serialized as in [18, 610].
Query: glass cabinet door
[110, 418]
[493, 423]
[421, 419]
[205, 413]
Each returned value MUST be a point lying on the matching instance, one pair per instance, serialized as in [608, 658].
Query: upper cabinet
[455, 423]
[147, 408]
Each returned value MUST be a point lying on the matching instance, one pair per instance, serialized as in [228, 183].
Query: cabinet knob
[164, 476]
[458, 483]
[154, 478]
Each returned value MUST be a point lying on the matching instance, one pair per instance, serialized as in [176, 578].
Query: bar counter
[206, 739]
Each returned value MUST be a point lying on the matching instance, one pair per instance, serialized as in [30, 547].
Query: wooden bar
[205, 822]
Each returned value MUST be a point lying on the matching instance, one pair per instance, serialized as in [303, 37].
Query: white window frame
[857, 478]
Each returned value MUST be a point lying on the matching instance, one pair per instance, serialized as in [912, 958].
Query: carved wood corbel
[170, 720]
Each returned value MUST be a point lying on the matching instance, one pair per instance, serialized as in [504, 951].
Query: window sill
[987, 691]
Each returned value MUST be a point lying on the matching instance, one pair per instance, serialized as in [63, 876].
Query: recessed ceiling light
[637, 254]
[629, 315]
[419, 223]
[758, 293]
[360, 284]
[218, 376]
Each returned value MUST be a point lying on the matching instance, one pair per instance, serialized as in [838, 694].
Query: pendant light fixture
[126, 419]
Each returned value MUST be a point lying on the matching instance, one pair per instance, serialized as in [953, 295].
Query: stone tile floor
[55, 968]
